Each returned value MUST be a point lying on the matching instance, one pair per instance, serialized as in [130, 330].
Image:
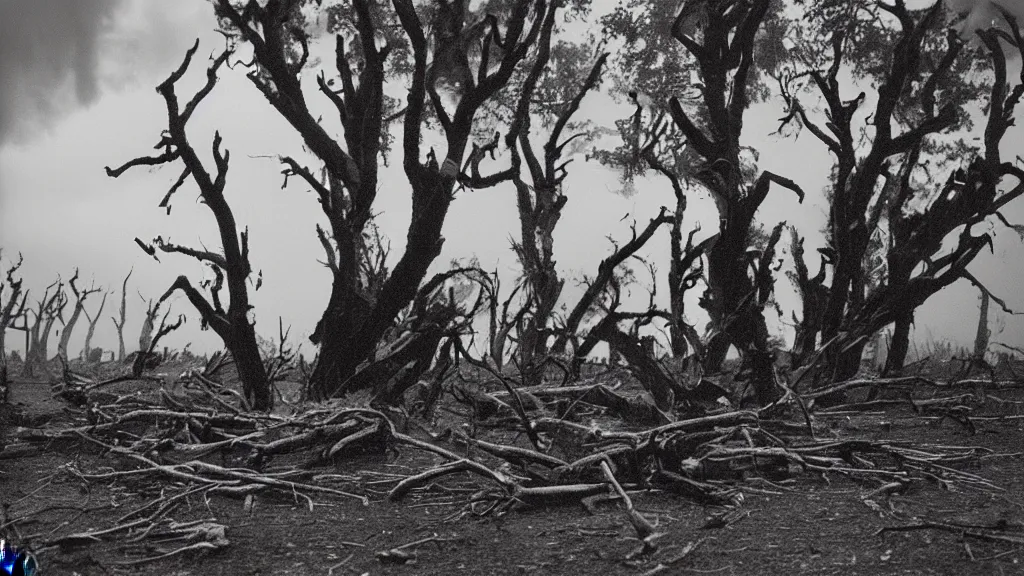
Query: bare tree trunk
[346, 342]
[148, 325]
[732, 299]
[813, 297]
[900, 344]
[9, 312]
[538, 217]
[119, 322]
[736, 303]
[45, 314]
[69, 326]
[93, 320]
[232, 325]
[983, 334]
[349, 330]
[685, 271]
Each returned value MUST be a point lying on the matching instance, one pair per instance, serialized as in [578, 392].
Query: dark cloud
[57, 56]
[49, 50]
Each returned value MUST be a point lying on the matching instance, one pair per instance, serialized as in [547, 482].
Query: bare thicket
[407, 347]
[454, 66]
[876, 185]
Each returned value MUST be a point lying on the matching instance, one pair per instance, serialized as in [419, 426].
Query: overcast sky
[77, 93]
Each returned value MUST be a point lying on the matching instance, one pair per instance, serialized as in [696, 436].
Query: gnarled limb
[216, 320]
[232, 325]
[605, 272]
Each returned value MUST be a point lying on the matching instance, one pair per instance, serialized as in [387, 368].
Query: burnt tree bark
[354, 321]
[899, 345]
[120, 319]
[232, 325]
[434, 314]
[69, 326]
[725, 58]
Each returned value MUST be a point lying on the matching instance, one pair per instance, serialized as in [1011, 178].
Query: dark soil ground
[809, 524]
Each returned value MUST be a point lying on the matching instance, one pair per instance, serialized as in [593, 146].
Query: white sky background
[62, 119]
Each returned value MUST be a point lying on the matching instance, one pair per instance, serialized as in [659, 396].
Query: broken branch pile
[705, 458]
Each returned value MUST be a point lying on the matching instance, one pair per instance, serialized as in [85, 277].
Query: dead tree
[119, 321]
[605, 274]
[813, 295]
[93, 320]
[759, 358]
[148, 324]
[355, 320]
[232, 325]
[725, 57]
[540, 204]
[855, 179]
[500, 324]
[69, 326]
[45, 313]
[10, 310]
[539, 200]
[686, 263]
[983, 334]
[437, 312]
[144, 356]
[917, 267]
